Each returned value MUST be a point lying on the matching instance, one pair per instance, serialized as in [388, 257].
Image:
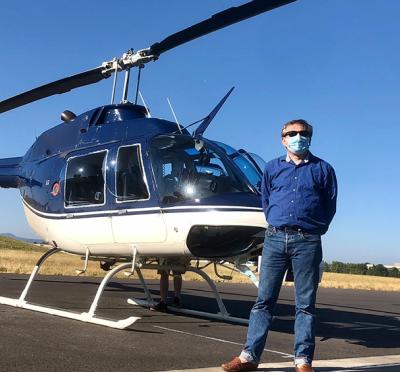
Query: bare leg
[178, 285]
[164, 284]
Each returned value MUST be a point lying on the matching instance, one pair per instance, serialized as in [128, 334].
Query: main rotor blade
[56, 87]
[216, 22]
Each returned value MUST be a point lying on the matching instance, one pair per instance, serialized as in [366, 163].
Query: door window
[130, 179]
[84, 182]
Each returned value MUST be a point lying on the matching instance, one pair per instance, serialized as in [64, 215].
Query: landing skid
[223, 314]
[87, 317]
[90, 316]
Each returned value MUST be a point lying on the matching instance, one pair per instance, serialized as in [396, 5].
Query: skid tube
[87, 317]
[223, 314]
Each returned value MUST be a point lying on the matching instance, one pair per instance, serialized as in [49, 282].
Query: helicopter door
[139, 219]
[85, 196]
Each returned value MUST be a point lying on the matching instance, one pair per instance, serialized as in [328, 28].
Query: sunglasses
[292, 133]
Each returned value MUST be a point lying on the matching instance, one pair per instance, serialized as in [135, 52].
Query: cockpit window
[259, 161]
[84, 183]
[228, 149]
[249, 170]
[189, 169]
[120, 113]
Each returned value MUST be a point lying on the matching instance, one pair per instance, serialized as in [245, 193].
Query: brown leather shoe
[304, 368]
[236, 365]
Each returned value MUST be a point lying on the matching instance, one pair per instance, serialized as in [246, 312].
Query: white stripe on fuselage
[153, 234]
[135, 210]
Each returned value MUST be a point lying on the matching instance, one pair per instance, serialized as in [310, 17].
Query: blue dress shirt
[299, 196]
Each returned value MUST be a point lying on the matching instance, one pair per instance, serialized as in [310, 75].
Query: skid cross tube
[88, 317]
[221, 315]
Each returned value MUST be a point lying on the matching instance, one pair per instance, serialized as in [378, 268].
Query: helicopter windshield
[250, 164]
[189, 169]
[259, 161]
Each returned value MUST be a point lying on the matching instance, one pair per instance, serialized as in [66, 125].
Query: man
[299, 200]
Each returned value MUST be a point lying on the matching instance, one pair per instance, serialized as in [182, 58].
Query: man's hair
[302, 122]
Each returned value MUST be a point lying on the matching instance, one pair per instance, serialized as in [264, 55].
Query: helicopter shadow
[353, 325]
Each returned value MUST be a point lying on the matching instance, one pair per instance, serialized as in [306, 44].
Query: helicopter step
[87, 317]
[223, 314]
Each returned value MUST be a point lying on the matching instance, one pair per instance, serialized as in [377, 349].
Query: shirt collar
[305, 160]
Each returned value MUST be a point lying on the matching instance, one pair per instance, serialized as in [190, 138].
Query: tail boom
[10, 172]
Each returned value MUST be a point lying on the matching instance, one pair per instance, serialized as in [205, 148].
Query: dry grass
[368, 282]
[22, 262]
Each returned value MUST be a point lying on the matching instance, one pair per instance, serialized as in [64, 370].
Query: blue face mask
[298, 144]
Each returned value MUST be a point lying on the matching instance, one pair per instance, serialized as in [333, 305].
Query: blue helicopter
[115, 185]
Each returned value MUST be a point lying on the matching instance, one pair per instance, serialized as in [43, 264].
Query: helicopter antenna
[144, 103]
[187, 126]
[114, 83]
[173, 113]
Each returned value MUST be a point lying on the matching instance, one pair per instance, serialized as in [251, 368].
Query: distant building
[396, 265]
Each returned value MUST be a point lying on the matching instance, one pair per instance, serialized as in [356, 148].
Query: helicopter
[115, 185]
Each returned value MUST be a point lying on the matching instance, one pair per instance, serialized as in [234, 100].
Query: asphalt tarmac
[352, 325]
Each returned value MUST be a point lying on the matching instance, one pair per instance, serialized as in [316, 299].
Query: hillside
[27, 240]
[7, 243]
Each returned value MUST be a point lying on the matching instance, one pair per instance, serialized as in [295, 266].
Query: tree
[338, 267]
[394, 272]
[327, 267]
[378, 270]
[359, 269]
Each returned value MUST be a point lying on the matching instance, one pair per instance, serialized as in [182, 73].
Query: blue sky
[334, 63]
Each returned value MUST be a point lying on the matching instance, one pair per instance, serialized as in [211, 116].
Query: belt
[288, 229]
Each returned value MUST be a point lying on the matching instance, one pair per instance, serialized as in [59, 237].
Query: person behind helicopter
[162, 305]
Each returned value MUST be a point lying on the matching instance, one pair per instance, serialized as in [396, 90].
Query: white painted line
[284, 355]
[368, 363]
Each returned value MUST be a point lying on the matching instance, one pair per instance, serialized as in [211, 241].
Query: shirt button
[290, 215]
[294, 189]
[292, 201]
[295, 178]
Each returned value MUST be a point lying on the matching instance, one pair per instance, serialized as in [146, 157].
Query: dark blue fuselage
[105, 128]
[45, 162]
[142, 166]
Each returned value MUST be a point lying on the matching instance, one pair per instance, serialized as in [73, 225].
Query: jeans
[304, 251]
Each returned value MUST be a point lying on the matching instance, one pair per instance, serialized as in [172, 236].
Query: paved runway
[351, 325]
